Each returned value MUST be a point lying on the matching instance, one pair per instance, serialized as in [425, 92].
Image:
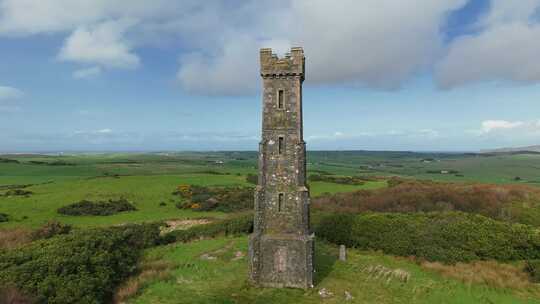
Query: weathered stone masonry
[281, 246]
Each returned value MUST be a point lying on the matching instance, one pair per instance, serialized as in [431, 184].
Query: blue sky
[97, 75]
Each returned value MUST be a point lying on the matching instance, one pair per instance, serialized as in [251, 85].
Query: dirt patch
[173, 225]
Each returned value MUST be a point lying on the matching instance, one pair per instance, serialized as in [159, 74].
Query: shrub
[504, 202]
[447, 237]
[51, 229]
[242, 224]
[85, 207]
[224, 199]
[80, 267]
[4, 217]
[533, 268]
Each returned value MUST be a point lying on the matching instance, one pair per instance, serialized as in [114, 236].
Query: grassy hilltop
[503, 188]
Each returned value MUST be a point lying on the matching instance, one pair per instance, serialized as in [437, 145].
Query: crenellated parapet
[290, 65]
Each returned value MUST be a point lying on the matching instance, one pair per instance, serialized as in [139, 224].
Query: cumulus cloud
[102, 44]
[10, 93]
[345, 42]
[87, 73]
[348, 42]
[505, 49]
[373, 43]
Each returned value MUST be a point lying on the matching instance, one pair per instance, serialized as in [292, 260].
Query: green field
[223, 280]
[146, 180]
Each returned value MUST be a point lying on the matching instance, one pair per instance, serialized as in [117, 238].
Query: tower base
[282, 260]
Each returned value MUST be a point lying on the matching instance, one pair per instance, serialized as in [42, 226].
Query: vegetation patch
[8, 161]
[514, 203]
[80, 267]
[344, 180]
[224, 199]
[11, 238]
[53, 163]
[86, 207]
[18, 192]
[447, 237]
[50, 229]
[150, 271]
[490, 273]
[533, 268]
[252, 179]
[4, 217]
[242, 224]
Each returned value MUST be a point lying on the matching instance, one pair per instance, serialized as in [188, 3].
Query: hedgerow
[446, 237]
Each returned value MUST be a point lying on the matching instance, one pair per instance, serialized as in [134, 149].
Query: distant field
[146, 180]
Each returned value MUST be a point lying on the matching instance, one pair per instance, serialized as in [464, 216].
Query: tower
[281, 246]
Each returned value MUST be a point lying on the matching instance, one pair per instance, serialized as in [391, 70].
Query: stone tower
[281, 246]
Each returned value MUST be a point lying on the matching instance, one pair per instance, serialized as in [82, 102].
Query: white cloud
[10, 93]
[345, 43]
[102, 44]
[374, 43]
[87, 73]
[511, 131]
[494, 125]
[506, 49]
[104, 131]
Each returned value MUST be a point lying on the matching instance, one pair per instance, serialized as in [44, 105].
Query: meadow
[34, 186]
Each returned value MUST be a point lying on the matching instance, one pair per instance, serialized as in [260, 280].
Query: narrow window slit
[280, 99]
[280, 202]
[280, 145]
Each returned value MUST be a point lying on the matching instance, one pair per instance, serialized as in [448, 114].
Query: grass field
[148, 179]
[145, 180]
[221, 278]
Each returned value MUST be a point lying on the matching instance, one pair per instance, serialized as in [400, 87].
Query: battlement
[290, 65]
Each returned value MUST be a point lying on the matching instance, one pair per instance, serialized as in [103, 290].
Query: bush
[81, 267]
[242, 224]
[533, 268]
[4, 217]
[224, 199]
[501, 202]
[85, 207]
[446, 237]
[51, 229]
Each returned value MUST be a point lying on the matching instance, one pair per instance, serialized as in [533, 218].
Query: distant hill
[529, 149]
